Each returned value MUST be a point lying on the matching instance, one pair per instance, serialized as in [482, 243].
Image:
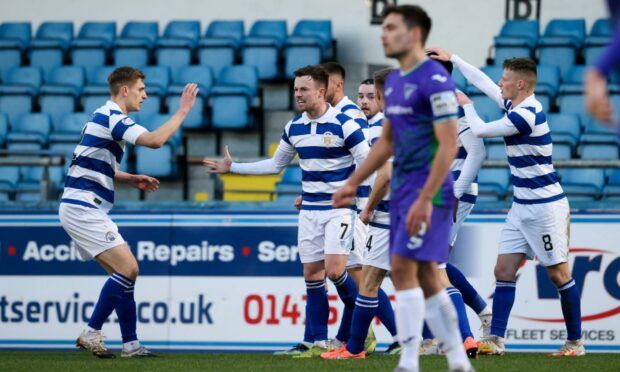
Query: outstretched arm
[498, 128]
[475, 157]
[474, 75]
[282, 157]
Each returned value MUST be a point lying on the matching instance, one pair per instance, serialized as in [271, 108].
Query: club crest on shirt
[388, 91]
[409, 89]
[328, 138]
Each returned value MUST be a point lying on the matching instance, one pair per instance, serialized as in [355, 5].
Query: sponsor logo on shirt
[439, 78]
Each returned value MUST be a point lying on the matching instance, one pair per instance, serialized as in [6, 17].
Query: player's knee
[559, 275]
[369, 286]
[504, 272]
[334, 274]
[131, 271]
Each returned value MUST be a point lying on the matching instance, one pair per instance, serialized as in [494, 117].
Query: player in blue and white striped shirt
[538, 221]
[329, 144]
[89, 196]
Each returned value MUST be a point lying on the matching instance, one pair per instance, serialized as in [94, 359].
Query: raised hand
[188, 98]
[441, 54]
[219, 166]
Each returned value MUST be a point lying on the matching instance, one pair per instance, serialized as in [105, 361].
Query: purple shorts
[432, 246]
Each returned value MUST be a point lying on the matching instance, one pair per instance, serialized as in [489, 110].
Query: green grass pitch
[83, 361]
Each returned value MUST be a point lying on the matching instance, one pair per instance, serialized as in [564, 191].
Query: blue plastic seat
[157, 163]
[611, 191]
[9, 178]
[582, 183]
[565, 128]
[135, 43]
[319, 30]
[233, 97]
[599, 151]
[58, 97]
[29, 187]
[598, 39]
[201, 75]
[290, 183]
[14, 40]
[561, 151]
[154, 121]
[459, 80]
[48, 48]
[561, 42]
[4, 128]
[572, 104]
[493, 183]
[218, 48]
[596, 132]
[32, 128]
[547, 84]
[493, 72]
[309, 44]
[157, 80]
[517, 38]
[90, 48]
[69, 129]
[496, 151]
[487, 107]
[21, 86]
[573, 80]
[174, 49]
[262, 47]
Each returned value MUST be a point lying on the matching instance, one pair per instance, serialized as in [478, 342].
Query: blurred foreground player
[89, 195]
[420, 130]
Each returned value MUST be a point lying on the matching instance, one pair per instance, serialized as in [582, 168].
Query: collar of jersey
[343, 102]
[326, 118]
[527, 102]
[378, 116]
[113, 106]
[414, 68]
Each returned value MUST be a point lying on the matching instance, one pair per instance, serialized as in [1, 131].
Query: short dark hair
[524, 66]
[334, 68]
[446, 64]
[124, 76]
[413, 16]
[380, 76]
[316, 72]
[368, 82]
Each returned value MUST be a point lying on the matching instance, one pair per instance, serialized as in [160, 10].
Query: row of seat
[229, 103]
[563, 43]
[267, 46]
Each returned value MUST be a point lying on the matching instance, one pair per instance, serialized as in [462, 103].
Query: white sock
[321, 344]
[89, 329]
[485, 311]
[131, 345]
[442, 321]
[409, 321]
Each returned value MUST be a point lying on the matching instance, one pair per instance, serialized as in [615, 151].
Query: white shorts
[464, 209]
[324, 232]
[377, 248]
[360, 234]
[91, 229]
[538, 230]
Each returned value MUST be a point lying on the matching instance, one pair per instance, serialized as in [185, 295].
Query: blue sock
[363, 314]
[503, 300]
[318, 308]
[385, 312]
[469, 293]
[426, 332]
[111, 292]
[461, 314]
[308, 336]
[571, 309]
[347, 290]
[126, 309]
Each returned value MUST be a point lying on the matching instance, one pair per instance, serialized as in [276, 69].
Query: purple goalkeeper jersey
[414, 102]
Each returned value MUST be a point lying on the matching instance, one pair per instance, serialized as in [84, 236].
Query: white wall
[466, 27]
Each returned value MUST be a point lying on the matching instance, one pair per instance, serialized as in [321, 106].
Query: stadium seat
[4, 128]
[14, 40]
[290, 184]
[70, 128]
[493, 72]
[48, 48]
[459, 80]
[157, 80]
[90, 49]
[320, 30]
[58, 97]
[573, 80]
[175, 48]
[201, 75]
[233, 97]
[561, 43]
[562, 151]
[611, 191]
[572, 104]
[154, 121]
[9, 178]
[21, 86]
[135, 43]
[517, 38]
[309, 44]
[598, 39]
[29, 187]
[547, 85]
[219, 47]
[156, 162]
[493, 183]
[599, 151]
[487, 107]
[565, 128]
[496, 151]
[596, 132]
[262, 47]
[582, 184]
[32, 128]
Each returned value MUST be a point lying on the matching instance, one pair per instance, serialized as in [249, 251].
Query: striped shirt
[381, 215]
[347, 107]
[529, 152]
[465, 137]
[328, 148]
[90, 179]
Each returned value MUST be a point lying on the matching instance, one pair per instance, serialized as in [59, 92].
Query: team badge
[409, 89]
[328, 138]
[109, 236]
[388, 91]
